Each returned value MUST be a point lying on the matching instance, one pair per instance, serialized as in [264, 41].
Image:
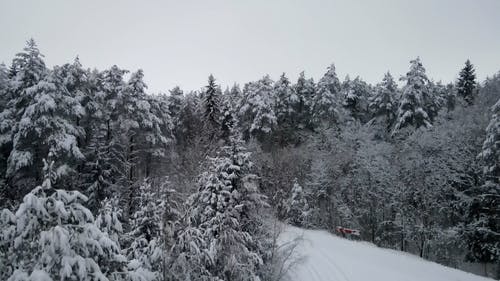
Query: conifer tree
[46, 127]
[220, 240]
[326, 100]
[415, 95]
[175, 103]
[5, 125]
[4, 84]
[146, 235]
[297, 206]
[56, 238]
[466, 83]
[305, 91]
[106, 166]
[357, 94]
[483, 231]
[27, 69]
[383, 102]
[286, 99]
[257, 112]
[228, 121]
[211, 105]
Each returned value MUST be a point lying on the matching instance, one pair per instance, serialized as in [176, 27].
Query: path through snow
[330, 258]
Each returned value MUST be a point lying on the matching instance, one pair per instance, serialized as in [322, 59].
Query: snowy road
[330, 258]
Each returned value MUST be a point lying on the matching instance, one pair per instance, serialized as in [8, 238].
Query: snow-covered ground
[331, 258]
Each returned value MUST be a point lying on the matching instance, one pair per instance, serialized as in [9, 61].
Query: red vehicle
[347, 231]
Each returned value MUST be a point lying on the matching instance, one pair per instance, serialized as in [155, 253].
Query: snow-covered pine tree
[108, 219]
[435, 99]
[147, 249]
[357, 94]
[228, 121]
[490, 154]
[175, 102]
[76, 81]
[211, 106]
[286, 98]
[7, 235]
[234, 95]
[257, 111]
[156, 134]
[305, 91]
[135, 117]
[47, 126]
[326, 99]
[297, 207]
[106, 167]
[4, 150]
[56, 238]
[466, 83]
[383, 102]
[4, 85]
[223, 236]
[415, 95]
[27, 69]
[483, 231]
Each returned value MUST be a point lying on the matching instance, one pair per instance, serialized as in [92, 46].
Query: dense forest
[101, 180]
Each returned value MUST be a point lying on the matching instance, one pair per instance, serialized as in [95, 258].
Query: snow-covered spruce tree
[4, 150]
[415, 95]
[56, 238]
[326, 99]
[305, 91]
[175, 102]
[147, 249]
[286, 98]
[108, 219]
[466, 84]
[223, 235]
[155, 136]
[211, 107]
[257, 111]
[4, 84]
[27, 69]
[383, 102]
[356, 98]
[76, 81]
[228, 121]
[134, 118]
[483, 231]
[47, 126]
[491, 147]
[106, 168]
[234, 96]
[297, 207]
[7, 235]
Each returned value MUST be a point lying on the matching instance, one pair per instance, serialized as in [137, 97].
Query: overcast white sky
[181, 42]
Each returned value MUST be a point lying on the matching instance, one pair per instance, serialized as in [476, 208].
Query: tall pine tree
[412, 106]
[466, 83]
